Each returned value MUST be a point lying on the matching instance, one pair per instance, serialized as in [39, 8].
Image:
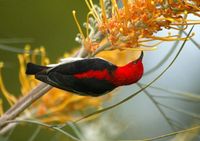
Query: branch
[168, 135]
[173, 133]
[158, 107]
[24, 103]
[45, 125]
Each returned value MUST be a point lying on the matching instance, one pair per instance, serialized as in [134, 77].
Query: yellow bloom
[56, 105]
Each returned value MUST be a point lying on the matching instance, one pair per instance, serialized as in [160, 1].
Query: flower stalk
[24, 103]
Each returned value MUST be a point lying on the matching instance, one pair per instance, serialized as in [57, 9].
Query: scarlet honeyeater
[93, 77]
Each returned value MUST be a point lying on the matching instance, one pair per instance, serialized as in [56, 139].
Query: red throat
[128, 74]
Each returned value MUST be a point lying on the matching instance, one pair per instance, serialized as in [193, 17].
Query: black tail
[33, 68]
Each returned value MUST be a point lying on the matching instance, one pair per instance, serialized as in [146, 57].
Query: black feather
[83, 66]
[33, 68]
[85, 86]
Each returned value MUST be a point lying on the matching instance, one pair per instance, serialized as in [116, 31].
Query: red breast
[128, 74]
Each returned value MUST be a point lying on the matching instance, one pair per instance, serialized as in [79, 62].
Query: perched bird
[88, 77]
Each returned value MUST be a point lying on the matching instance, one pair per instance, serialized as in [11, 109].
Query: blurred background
[50, 24]
[38, 23]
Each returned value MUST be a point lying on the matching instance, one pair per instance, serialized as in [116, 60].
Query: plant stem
[24, 103]
[45, 125]
[168, 135]
[158, 107]
[173, 133]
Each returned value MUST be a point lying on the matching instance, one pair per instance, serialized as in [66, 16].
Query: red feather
[98, 74]
[124, 75]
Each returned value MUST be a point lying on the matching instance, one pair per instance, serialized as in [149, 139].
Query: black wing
[87, 86]
[84, 65]
[62, 77]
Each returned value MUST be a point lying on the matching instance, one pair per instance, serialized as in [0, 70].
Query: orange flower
[140, 19]
[134, 25]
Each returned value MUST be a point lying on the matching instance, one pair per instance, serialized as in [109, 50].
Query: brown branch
[24, 103]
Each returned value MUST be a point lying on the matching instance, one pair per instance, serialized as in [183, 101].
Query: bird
[88, 77]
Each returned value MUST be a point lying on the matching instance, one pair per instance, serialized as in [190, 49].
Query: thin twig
[35, 133]
[196, 116]
[176, 123]
[45, 125]
[173, 133]
[10, 133]
[158, 107]
[13, 49]
[168, 135]
[190, 96]
[16, 40]
[193, 41]
[176, 98]
[167, 56]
